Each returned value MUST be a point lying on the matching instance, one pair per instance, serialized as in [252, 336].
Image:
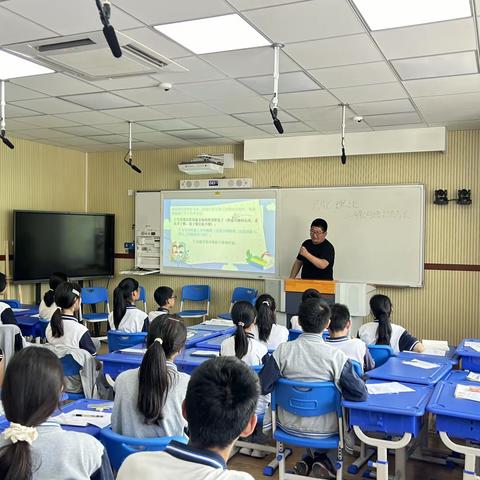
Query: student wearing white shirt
[126, 316]
[33, 448]
[383, 332]
[64, 328]
[339, 329]
[309, 293]
[220, 408]
[7, 317]
[48, 306]
[165, 298]
[266, 329]
[148, 400]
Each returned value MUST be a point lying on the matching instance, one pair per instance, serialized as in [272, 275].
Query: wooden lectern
[294, 288]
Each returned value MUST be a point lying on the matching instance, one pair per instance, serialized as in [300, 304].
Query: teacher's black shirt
[322, 250]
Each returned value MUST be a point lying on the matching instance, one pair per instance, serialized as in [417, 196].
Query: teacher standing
[317, 255]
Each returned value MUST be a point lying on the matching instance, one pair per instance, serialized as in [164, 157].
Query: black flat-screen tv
[78, 244]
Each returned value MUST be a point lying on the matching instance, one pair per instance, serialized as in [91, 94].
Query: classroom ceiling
[415, 76]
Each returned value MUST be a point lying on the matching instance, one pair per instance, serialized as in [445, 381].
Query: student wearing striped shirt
[219, 407]
[126, 316]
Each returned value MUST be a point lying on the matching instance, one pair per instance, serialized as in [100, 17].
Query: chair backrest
[380, 353]
[244, 294]
[143, 295]
[118, 339]
[196, 293]
[119, 447]
[357, 367]
[12, 303]
[70, 366]
[294, 334]
[307, 399]
[93, 295]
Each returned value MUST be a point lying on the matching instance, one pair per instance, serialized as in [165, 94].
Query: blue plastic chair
[357, 367]
[93, 296]
[71, 368]
[13, 303]
[240, 294]
[143, 298]
[119, 447]
[306, 399]
[117, 340]
[380, 353]
[198, 294]
[42, 327]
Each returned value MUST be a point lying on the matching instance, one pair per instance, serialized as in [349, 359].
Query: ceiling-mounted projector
[203, 165]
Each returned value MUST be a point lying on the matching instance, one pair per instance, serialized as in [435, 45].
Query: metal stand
[471, 455]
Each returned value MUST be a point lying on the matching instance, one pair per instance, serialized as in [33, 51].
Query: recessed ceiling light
[214, 34]
[12, 66]
[381, 14]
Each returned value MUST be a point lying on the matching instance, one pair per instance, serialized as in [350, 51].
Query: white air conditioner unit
[205, 164]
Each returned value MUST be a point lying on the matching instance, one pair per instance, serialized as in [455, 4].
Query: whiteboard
[377, 231]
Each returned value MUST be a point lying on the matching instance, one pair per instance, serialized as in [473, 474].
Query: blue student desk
[451, 356]
[458, 418]
[213, 343]
[186, 362]
[398, 414]
[470, 357]
[200, 336]
[29, 325]
[395, 370]
[115, 363]
[220, 329]
[77, 405]
[25, 310]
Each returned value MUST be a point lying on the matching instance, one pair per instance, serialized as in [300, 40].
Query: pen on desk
[88, 415]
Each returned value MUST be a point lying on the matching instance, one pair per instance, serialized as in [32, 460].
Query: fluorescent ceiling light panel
[12, 66]
[381, 14]
[214, 34]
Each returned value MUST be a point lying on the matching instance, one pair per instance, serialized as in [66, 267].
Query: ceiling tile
[249, 62]
[244, 132]
[353, 75]
[153, 12]
[171, 124]
[111, 138]
[334, 126]
[240, 104]
[154, 96]
[455, 108]
[402, 105]
[163, 140]
[100, 101]
[263, 118]
[288, 127]
[306, 20]
[333, 52]
[49, 105]
[138, 81]
[428, 39]
[136, 114]
[55, 84]
[370, 93]
[65, 19]
[216, 90]
[79, 141]
[122, 128]
[215, 141]
[401, 127]
[288, 82]
[82, 130]
[193, 133]
[436, 65]
[88, 117]
[443, 86]
[249, 4]
[393, 119]
[15, 28]
[198, 71]
[47, 121]
[16, 92]
[183, 110]
[12, 111]
[315, 98]
[215, 121]
[44, 133]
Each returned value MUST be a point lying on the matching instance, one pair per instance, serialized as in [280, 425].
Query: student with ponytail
[64, 328]
[148, 400]
[383, 332]
[126, 316]
[266, 328]
[32, 447]
[47, 306]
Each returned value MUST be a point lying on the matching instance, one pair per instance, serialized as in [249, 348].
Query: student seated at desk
[266, 329]
[7, 317]
[32, 447]
[309, 293]
[64, 328]
[126, 316]
[310, 359]
[148, 400]
[219, 407]
[383, 332]
[48, 306]
[339, 329]
[165, 298]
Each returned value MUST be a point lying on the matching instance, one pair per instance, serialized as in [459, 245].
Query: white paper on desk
[467, 392]
[36, 315]
[436, 345]
[205, 353]
[190, 334]
[474, 345]
[387, 387]
[139, 351]
[99, 419]
[18, 310]
[429, 351]
[421, 364]
[220, 322]
[473, 377]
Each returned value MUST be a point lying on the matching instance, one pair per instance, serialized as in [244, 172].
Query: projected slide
[220, 234]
